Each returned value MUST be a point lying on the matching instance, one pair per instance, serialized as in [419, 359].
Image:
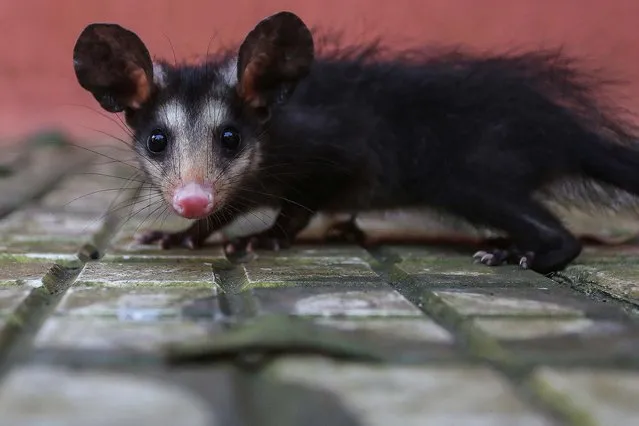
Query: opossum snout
[194, 200]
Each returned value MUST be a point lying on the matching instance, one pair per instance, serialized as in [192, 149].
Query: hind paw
[491, 257]
[496, 257]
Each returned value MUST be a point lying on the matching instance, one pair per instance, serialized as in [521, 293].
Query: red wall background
[38, 88]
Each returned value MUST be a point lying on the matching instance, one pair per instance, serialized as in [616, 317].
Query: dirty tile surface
[97, 329]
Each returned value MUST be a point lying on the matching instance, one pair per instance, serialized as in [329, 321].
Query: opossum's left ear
[273, 58]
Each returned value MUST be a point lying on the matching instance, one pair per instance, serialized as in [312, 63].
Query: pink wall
[37, 86]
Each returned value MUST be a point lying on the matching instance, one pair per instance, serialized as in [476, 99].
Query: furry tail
[609, 153]
[613, 164]
[609, 181]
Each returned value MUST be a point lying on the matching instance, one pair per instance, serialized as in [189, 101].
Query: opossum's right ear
[273, 58]
[114, 65]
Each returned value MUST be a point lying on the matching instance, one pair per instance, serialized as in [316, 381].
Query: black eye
[230, 138]
[157, 142]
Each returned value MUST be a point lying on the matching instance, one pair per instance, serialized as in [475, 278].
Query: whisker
[277, 197]
[126, 143]
[111, 204]
[249, 212]
[109, 176]
[175, 62]
[104, 155]
[120, 124]
[148, 216]
[165, 216]
[132, 215]
[91, 193]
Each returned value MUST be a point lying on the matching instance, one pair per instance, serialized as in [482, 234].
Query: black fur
[476, 136]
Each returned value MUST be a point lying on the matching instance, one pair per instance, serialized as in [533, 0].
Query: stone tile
[443, 267]
[90, 191]
[129, 304]
[467, 303]
[11, 298]
[566, 341]
[414, 339]
[450, 274]
[130, 274]
[429, 254]
[93, 333]
[39, 247]
[133, 252]
[38, 171]
[417, 329]
[548, 302]
[334, 301]
[22, 272]
[48, 224]
[409, 396]
[225, 398]
[46, 395]
[276, 272]
[533, 328]
[604, 397]
[324, 253]
[621, 280]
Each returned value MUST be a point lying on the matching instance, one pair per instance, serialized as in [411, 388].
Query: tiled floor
[96, 330]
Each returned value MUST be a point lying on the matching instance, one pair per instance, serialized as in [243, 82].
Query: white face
[191, 141]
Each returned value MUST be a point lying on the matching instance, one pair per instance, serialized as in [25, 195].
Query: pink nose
[193, 200]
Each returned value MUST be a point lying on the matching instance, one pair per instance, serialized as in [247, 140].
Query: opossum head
[199, 129]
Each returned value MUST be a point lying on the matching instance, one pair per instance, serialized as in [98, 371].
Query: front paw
[167, 240]
[249, 244]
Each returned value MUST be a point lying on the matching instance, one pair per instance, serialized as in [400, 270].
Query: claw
[189, 243]
[229, 248]
[487, 258]
[479, 255]
[526, 260]
[490, 258]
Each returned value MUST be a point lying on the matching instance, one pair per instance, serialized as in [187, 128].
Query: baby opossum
[277, 125]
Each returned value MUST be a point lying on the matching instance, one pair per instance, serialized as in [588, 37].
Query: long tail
[612, 163]
[609, 151]
[610, 177]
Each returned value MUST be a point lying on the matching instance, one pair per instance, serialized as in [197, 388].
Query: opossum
[275, 124]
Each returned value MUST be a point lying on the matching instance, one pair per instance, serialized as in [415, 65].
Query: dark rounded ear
[113, 64]
[273, 58]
